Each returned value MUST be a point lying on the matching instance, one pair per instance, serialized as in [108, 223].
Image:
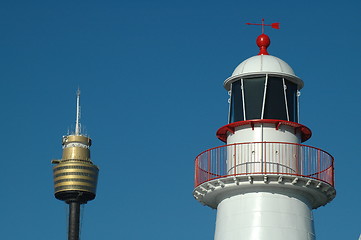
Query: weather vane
[273, 25]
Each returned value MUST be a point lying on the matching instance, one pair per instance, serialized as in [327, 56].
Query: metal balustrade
[264, 158]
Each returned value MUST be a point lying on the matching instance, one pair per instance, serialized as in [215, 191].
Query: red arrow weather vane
[263, 41]
[273, 25]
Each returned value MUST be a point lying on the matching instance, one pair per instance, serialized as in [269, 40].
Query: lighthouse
[264, 182]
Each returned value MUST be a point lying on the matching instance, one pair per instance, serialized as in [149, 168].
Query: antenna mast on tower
[77, 121]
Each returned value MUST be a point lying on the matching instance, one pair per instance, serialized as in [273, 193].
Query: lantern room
[263, 87]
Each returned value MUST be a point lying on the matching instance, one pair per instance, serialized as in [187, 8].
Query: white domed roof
[263, 64]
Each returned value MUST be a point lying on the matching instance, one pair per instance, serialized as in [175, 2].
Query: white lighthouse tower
[264, 182]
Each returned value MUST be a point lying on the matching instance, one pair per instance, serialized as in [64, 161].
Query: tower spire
[77, 121]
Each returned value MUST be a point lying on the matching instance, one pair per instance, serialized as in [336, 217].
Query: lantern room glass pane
[253, 96]
[291, 94]
[236, 108]
[279, 91]
[275, 106]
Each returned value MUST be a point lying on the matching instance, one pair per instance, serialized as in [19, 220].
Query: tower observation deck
[75, 175]
[264, 182]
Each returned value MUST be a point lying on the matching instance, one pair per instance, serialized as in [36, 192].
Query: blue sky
[151, 75]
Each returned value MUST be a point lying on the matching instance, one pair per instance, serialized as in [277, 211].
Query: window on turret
[264, 97]
[253, 89]
[291, 94]
[275, 104]
[236, 107]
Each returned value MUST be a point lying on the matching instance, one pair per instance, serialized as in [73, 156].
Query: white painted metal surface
[264, 132]
[313, 191]
[264, 216]
[263, 64]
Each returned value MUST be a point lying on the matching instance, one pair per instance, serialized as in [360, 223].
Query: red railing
[264, 158]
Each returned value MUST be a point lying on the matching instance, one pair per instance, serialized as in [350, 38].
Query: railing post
[209, 165]
[234, 159]
[297, 157]
[264, 158]
[333, 172]
[196, 180]
[218, 161]
[318, 163]
[309, 161]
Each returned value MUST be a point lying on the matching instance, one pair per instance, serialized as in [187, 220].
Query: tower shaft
[264, 215]
[74, 220]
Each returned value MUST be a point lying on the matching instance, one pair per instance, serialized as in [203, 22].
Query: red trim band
[222, 133]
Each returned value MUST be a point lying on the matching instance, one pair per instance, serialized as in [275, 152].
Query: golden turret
[75, 175]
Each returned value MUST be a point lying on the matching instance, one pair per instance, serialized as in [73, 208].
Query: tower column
[74, 220]
[263, 216]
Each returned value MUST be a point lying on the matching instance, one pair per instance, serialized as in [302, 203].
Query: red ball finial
[263, 42]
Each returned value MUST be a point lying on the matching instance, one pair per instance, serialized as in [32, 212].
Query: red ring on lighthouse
[222, 133]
